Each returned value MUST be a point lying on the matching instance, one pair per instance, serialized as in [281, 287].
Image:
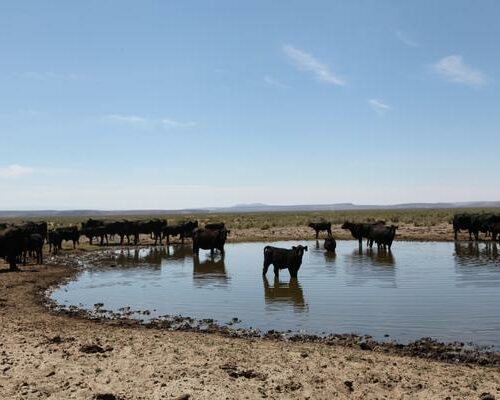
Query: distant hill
[254, 207]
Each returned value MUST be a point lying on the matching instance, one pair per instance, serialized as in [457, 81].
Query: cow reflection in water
[134, 257]
[285, 293]
[210, 271]
[467, 250]
[382, 257]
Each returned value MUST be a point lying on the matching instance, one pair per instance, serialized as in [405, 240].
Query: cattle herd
[19, 241]
[489, 224]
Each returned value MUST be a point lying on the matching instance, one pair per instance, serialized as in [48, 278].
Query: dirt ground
[44, 355]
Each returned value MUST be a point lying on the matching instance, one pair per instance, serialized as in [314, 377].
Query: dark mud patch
[234, 372]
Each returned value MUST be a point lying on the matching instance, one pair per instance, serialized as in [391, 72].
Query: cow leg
[276, 272]
[12, 263]
[265, 267]
[317, 235]
[293, 272]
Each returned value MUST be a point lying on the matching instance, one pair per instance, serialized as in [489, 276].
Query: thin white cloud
[406, 40]
[306, 62]
[172, 124]
[151, 123]
[453, 69]
[15, 171]
[125, 119]
[274, 82]
[378, 106]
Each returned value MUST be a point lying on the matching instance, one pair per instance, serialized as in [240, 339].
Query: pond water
[448, 291]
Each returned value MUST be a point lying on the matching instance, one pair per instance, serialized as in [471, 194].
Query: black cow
[495, 231]
[94, 228]
[34, 227]
[33, 244]
[382, 235]
[482, 223]
[321, 226]
[283, 258]
[360, 230]
[12, 245]
[330, 244]
[153, 227]
[214, 226]
[462, 222]
[182, 229]
[55, 241]
[208, 239]
[68, 233]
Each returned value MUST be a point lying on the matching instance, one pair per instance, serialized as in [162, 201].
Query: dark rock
[91, 348]
[486, 396]
[349, 385]
[183, 397]
[106, 396]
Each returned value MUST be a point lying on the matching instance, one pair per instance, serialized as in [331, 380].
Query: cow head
[299, 250]
[346, 225]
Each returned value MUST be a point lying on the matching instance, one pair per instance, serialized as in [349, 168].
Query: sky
[181, 104]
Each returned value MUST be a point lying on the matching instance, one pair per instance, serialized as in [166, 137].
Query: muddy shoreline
[46, 353]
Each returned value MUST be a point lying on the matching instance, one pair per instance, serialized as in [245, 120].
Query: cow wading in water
[283, 258]
[208, 239]
[361, 230]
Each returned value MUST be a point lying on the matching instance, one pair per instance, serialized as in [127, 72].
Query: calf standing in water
[283, 258]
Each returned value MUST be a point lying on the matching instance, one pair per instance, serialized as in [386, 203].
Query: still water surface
[448, 291]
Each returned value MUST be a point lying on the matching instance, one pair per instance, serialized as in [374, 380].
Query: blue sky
[127, 104]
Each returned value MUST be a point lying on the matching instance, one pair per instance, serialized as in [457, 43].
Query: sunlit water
[446, 291]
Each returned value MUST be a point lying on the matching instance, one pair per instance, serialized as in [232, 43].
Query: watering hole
[447, 291]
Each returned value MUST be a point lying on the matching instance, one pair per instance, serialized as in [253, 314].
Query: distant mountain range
[254, 207]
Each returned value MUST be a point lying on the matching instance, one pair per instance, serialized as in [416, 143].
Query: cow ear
[294, 247]
[305, 248]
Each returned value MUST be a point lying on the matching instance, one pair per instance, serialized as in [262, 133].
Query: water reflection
[382, 257]
[211, 271]
[467, 251]
[477, 265]
[178, 252]
[330, 256]
[285, 293]
[372, 267]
